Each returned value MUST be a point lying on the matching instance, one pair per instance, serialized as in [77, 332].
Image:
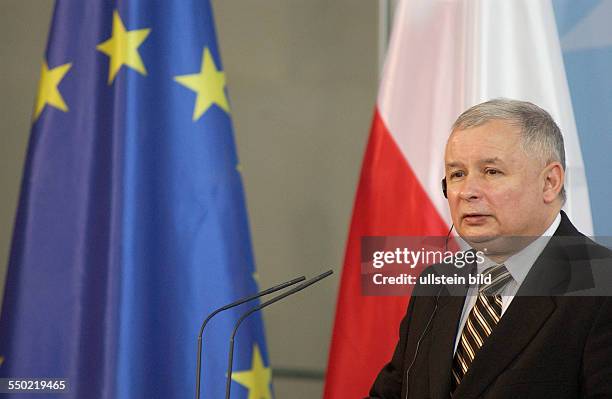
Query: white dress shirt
[518, 265]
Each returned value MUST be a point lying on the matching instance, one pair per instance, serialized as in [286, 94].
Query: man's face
[494, 187]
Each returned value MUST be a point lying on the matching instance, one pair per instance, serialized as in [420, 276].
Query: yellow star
[257, 379]
[209, 85]
[122, 48]
[48, 93]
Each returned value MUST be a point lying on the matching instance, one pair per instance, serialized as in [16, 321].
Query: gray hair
[540, 134]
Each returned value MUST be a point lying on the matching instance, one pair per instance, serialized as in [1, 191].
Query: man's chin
[483, 241]
[479, 240]
[478, 235]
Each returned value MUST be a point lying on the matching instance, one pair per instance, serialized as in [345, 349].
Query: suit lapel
[524, 317]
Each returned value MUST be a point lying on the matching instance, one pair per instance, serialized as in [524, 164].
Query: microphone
[229, 306]
[228, 381]
[448, 237]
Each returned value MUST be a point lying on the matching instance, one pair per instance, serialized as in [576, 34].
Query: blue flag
[131, 225]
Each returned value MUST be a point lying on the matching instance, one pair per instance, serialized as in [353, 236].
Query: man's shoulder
[572, 264]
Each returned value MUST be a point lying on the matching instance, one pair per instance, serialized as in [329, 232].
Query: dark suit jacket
[544, 346]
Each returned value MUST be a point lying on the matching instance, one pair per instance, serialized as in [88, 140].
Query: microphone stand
[228, 381]
[229, 306]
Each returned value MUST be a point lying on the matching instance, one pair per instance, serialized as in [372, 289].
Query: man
[535, 331]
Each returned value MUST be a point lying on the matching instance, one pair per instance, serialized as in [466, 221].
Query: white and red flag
[444, 56]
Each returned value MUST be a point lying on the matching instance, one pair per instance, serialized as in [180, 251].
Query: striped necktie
[482, 319]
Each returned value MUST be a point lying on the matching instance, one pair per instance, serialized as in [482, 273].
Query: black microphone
[230, 361]
[229, 306]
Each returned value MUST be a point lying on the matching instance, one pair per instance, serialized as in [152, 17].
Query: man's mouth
[474, 218]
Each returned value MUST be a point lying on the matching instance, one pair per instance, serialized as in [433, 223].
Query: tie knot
[500, 276]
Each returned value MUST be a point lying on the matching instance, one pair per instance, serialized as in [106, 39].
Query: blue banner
[131, 224]
[585, 33]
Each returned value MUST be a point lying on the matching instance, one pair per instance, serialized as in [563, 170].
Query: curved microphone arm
[229, 306]
[230, 361]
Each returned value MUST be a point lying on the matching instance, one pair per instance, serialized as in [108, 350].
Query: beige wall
[302, 81]
[24, 26]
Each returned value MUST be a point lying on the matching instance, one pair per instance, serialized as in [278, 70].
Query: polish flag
[444, 56]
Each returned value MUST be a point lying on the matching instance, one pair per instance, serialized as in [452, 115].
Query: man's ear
[553, 176]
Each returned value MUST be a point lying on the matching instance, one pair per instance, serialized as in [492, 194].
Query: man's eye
[492, 172]
[457, 174]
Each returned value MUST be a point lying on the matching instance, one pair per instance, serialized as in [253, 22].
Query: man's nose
[470, 188]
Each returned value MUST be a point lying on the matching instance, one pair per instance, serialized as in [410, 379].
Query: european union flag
[132, 224]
